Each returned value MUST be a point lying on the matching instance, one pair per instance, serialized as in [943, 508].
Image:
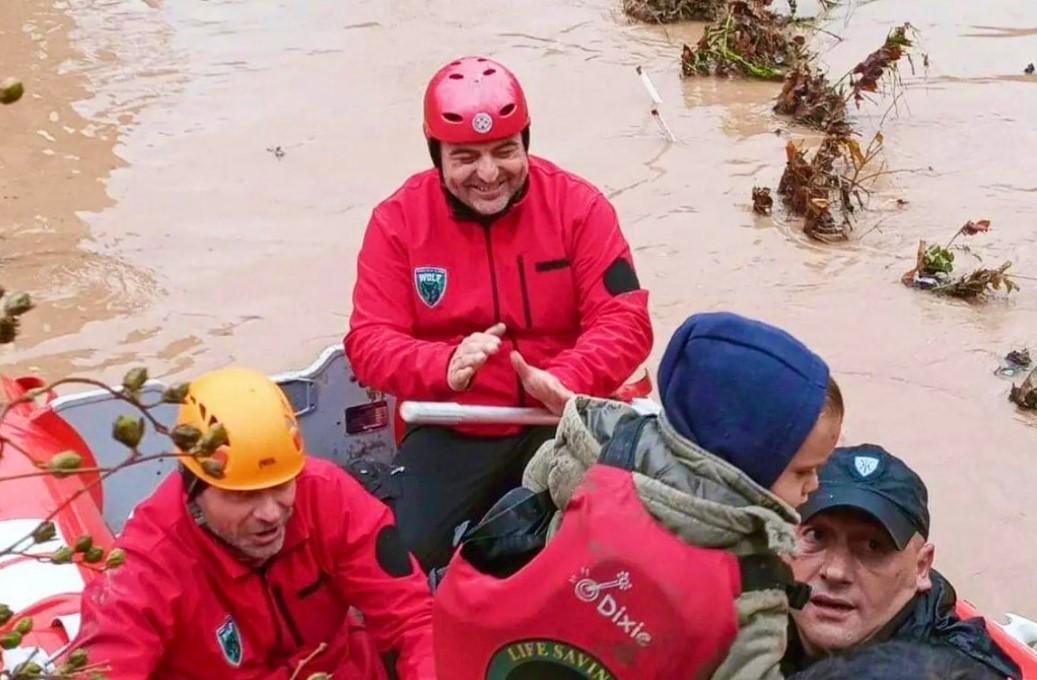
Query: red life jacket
[614, 596]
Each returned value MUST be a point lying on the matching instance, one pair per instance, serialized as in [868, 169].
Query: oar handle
[452, 413]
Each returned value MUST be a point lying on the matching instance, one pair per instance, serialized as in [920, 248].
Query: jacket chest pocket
[310, 608]
[548, 293]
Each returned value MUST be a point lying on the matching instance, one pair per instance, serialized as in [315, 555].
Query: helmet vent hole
[456, 63]
[489, 72]
[453, 117]
[507, 110]
[202, 411]
[481, 59]
[456, 76]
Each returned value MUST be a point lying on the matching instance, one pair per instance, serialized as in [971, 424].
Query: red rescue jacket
[555, 268]
[183, 607]
[614, 596]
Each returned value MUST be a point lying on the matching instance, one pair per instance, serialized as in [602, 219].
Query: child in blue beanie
[749, 416]
[754, 396]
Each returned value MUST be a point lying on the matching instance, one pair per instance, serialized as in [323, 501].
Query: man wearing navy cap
[864, 550]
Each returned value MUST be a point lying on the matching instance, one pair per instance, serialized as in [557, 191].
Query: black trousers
[449, 477]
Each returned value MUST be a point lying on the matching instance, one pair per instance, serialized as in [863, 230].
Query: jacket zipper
[525, 292]
[493, 274]
[277, 607]
[279, 598]
[279, 641]
[496, 308]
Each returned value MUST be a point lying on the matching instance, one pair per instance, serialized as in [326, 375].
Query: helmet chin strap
[193, 484]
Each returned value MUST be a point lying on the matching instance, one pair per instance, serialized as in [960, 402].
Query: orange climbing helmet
[264, 444]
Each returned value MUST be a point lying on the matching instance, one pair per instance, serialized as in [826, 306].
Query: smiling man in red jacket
[495, 278]
[254, 571]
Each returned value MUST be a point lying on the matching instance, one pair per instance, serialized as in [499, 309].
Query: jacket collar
[927, 617]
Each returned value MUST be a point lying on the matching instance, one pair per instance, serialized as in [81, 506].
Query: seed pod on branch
[134, 379]
[128, 430]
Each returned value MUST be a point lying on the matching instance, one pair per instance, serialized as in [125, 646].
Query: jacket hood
[703, 499]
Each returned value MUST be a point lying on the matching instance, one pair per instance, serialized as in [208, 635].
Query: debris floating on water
[835, 180]
[762, 201]
[1020, 357]
[669, 11]
[1015, 362]
[1029, 69]
[656, 101]
[807, 96]
[746, 39]
[277, 151]
[810, 99]
[1025, 394]
[934, 269]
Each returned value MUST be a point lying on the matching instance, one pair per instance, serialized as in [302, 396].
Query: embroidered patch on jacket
[230, 641]
[430, 282]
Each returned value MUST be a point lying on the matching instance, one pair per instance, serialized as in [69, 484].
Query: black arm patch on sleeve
[620, 277]
[391, 554]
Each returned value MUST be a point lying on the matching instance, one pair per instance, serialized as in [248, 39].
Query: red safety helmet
[472, 100]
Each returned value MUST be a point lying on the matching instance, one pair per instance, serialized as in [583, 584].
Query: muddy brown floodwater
[140, 205]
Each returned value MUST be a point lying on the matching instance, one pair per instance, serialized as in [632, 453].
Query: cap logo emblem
[866, 465]
[482, 123]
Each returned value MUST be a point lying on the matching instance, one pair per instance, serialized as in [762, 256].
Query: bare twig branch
[298, 669]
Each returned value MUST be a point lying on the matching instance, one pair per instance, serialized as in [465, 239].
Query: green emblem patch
[430, 283]
[230, 641]
[545, 660]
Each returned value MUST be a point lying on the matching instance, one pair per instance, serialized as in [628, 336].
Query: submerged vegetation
[670, 11]
[838, 174]
[747, 39]
[934, 269]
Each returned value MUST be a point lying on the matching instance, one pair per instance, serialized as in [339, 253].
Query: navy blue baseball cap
[869, 478]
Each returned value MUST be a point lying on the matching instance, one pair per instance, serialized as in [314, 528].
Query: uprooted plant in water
[834, 177]
[808, 97]
[747, 39]
[762, 200]
[934, 269]
[669, 11]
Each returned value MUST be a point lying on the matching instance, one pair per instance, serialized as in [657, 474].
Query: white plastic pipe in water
[656, 100]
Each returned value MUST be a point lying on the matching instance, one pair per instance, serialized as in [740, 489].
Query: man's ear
[924, 565]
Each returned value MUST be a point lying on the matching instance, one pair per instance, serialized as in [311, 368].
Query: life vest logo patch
[593, 591]
[543, 659]
[230, 641]
[430, 282]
